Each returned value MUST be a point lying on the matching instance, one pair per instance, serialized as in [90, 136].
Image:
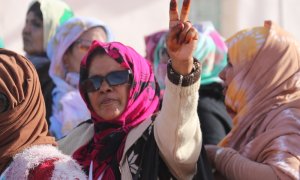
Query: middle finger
[185, 10]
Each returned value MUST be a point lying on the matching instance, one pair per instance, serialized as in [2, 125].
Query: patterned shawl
[24, 123]
[68, 107]
[265, 94]
[106, 147]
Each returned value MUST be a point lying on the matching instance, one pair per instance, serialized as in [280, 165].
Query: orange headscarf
[265, 94]
[24, 123]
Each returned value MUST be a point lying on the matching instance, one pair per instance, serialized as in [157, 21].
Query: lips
[26, 40]
[107, 101]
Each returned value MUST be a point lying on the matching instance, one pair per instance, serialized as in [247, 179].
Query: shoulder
[77, 137]
[45, 161]
[136, 133]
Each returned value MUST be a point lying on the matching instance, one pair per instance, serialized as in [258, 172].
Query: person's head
[22, 108]
[79, 48]
[211, 51]
[156, 53]
[151, 42]
[263, 66]
[117, 84]
[72, 41]
[42, 19]
[110, 98]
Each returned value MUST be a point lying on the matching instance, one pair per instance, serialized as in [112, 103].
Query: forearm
[177, 130]
[233, 166]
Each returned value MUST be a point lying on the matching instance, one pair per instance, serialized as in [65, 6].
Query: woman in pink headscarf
[127, 138]
[262, 95]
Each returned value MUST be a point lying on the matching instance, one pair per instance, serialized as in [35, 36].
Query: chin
[110, 116]
[230, 112]
[110, 112]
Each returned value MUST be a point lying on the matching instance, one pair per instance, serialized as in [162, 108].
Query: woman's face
[73, 57]
[227, 76]
[108, 102]
[33, 33]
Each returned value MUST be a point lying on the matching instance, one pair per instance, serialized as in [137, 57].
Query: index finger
[174, 17]
[185, 10]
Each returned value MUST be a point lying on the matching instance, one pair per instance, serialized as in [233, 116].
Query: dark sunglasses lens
[117, 78]
[92, 84]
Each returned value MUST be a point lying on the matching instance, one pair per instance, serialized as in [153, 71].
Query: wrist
[184, 80]
[183, 67]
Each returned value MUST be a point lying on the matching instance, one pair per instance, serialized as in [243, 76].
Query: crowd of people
[81, 105]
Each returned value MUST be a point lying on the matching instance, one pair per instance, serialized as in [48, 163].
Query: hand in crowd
[182, 38]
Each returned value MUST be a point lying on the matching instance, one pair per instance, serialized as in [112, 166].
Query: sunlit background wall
[132, 20]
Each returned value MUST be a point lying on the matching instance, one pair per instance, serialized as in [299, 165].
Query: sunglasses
[115, 78]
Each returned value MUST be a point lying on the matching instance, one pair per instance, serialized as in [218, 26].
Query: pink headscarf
[265, 94]
[143, 101]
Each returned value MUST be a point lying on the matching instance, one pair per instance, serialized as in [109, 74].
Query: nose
[222, 74]
[26, 29]
[105, 87]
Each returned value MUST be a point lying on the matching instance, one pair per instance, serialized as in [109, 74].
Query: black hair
[36, 9]
[84, 71]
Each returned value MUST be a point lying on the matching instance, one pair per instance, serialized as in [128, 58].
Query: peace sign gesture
[182, 38]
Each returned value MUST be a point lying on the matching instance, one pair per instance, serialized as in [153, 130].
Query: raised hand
[182, 38]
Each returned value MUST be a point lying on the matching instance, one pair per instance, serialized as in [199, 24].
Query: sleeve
[233, 166]
[177, 129]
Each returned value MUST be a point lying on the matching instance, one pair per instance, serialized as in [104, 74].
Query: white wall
[240, 14]
[230, 16]
[129, 20]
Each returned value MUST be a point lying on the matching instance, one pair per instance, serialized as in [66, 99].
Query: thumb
[175, 30]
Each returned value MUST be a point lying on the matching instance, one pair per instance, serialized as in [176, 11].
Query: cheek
[229, 75]
[92, 99]
[124, 94]
[80, 56]
[38, 37]
[38, 33]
